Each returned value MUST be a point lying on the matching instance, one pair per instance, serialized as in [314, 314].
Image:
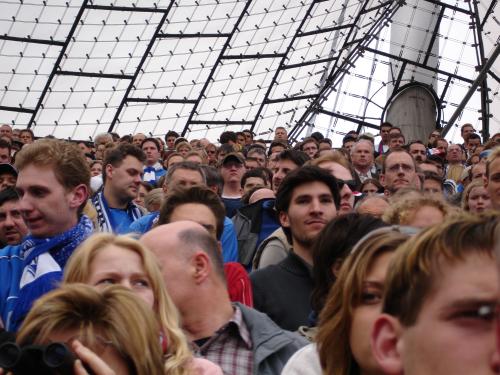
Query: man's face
[248, 138]
[431, 186]
[442, 146]
[185, 178]
[276, 149]
[492, 184]
[362, 156]
[251, 164]
[5, 156]
[418, 152]
[7, 180]
[466, 131]
[12, 226]
[454, 154]
[342, 174]
[399, 172]
[310, 148]
[434, 135]
[384, 133]
[232, 171]
[261, 158]
[6, 130]
[280, 134]
[396, 142]
[348, 145]
[451, 318]
[240, 139]
[25, 137]
[152, 153]
[170, 142]
[46, 206]
[311, 208]
[430, 167]
[283, 167]
[125, 179]
[473, 143]
[252, 182]
[137, 139]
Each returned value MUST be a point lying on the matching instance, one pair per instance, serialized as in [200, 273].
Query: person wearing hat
[232, 168]
[8, 176]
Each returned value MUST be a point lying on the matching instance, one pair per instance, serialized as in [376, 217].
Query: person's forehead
[149, 144]
[197, 212]
[417, 146]
[253, 180]
[313, 188]
[186, 174]
[10, 205]
[6, 175]
[287, 163]
[398, 157]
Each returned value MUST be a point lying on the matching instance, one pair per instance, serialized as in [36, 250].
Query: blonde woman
[110, 331]
[106, 259]
[476, 198]
[352, 305]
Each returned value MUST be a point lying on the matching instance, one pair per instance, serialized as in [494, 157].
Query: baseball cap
[233, 156]
[8, 168]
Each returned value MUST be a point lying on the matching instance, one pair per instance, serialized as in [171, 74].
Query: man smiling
[307, 200]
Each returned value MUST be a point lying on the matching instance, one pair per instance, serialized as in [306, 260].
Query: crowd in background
[148, 255]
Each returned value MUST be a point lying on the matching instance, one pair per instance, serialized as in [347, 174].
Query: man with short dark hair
[307, 200]
[239, 339]
[170, 138]
[153, 169]
[248, 137]
[5, 151]
[122, 175]
[418, 151]
[396, 140]
[12, 226]
[287, 161]
[228, 137]
[232, 169]
[53, 186]
[310, 147]
[383, 146]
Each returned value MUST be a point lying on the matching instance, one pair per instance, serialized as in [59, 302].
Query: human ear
[201, 266]
[79, 194]
[284, 221]
[381, 179]
[385, 343]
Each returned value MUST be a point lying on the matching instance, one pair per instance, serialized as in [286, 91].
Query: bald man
[239, 339]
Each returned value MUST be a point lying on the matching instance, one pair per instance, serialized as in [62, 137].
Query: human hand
[91, 360]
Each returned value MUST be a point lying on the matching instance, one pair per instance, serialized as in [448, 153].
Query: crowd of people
[144, 255]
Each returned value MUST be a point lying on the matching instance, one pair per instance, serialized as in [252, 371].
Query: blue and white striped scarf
[44, 260]
[103, 215]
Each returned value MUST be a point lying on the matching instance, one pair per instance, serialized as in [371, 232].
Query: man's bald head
[180, 241]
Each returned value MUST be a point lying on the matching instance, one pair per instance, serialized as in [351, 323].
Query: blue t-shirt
[232, 205]
[121, 220]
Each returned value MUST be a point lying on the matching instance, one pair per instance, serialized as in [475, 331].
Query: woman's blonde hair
[78, 270]
[336, 317]
[114, 313]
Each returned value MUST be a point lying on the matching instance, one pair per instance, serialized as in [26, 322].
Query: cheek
[359, 338]
[147, 296]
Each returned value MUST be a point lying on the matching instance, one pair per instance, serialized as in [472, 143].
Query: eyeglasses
[350, 183]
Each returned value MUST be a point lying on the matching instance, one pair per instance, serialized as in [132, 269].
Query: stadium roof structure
[76, 68]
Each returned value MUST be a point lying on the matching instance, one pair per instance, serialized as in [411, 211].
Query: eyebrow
[469, 302]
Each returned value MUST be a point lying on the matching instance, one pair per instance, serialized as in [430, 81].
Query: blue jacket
[11, 268]
[272, 346]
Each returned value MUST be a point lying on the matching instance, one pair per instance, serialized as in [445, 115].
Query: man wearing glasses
[398, 171]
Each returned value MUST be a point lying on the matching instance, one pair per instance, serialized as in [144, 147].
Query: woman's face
[100, 346]
[366, 313]
[121, 266]
[184, 150]
[369, 189]
[141, 194]
[479, 199]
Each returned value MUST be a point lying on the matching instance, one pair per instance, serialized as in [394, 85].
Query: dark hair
[302, 176]
[257, 149]
[372, 181]
[213, 176]
[332, 246]
[326, 140]
[397, 135]
[5, 144]
[195, 194]
[226, 147]
[116, 155]
[317, 136]
[274, 144]
[430, 175]
[227, 136]
[171, 133]
[125, 139]
[298, 158]
[473, 136]
[256, 172]
[189, 165]
[348, 138]
[386, 124]
[154, 140]
[7, 195]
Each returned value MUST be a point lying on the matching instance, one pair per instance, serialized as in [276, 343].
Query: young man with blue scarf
[53, 186]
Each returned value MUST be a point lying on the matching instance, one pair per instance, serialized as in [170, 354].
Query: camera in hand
[54, 358]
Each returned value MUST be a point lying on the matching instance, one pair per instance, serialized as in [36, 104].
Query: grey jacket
[272, 346]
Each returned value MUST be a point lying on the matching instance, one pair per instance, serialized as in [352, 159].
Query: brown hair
[336, 317]
[415, 268]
